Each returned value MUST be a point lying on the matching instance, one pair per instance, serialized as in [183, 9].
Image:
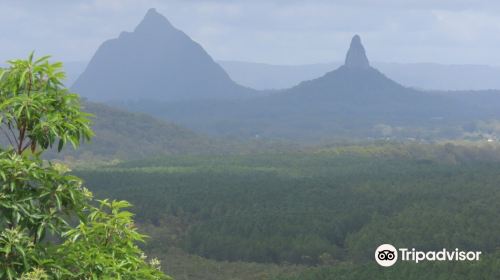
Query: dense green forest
[327, 209]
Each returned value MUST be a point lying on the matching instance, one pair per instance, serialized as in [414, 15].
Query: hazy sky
[272, 31]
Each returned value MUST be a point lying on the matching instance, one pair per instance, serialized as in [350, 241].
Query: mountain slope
[428, 76]
[124, 135]
[156, 61]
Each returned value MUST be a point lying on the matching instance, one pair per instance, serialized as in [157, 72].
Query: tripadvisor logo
[387, 255]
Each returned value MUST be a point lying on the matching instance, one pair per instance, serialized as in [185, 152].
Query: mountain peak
[356, 56]
[152, 11]
[153, 21]
[155, 62]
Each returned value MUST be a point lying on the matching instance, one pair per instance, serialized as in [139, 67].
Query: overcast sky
[271, 31]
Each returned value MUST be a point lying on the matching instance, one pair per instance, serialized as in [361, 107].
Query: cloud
[273, 31]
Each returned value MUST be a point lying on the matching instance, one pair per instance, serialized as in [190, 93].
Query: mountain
[158, 62]
[355, 100]
[426, 76]
[357, 88]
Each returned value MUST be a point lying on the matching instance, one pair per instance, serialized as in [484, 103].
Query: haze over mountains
[157, 55]
[156, 61]
[357, 89]
[356, 100]
[427, 76]
[160, 71]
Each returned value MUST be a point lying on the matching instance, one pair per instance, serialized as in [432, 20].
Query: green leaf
[61, 145]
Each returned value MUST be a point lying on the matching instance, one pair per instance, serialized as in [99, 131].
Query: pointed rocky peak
[152, 12]
[356, 56]
[154, 22]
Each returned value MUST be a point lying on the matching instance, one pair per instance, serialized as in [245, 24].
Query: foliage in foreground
[40, 201]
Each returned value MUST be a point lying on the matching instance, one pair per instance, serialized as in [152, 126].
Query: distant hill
[428, 76]
[158, 62]
[124, 135]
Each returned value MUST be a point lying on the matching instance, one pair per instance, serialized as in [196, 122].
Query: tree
[39, 200]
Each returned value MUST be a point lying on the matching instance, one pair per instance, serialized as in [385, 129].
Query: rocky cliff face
[356, 56]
